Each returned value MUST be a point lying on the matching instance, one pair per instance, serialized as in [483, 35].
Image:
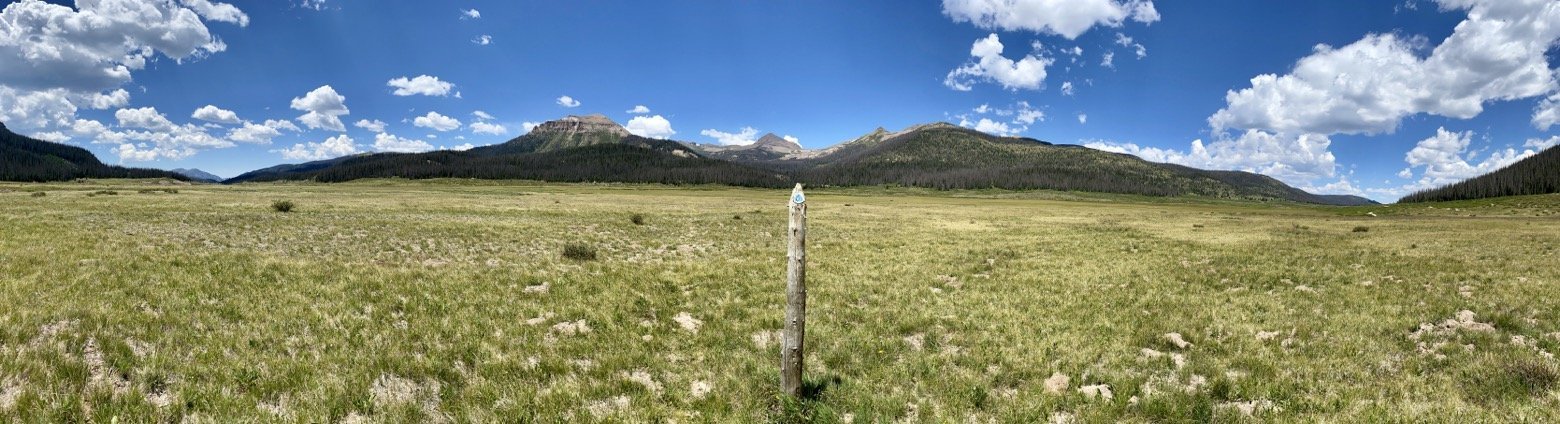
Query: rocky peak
[573, 124]
[775, 143]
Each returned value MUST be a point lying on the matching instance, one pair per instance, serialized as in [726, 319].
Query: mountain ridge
[197, 175]
[935, 155]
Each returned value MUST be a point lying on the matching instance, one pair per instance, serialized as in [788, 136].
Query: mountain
[280, 172]
[569, 132]
[197, 175]
[572, 149]
[1538, 174]
[945, 156]
[24, 158]
[767, 148]
[937, 155]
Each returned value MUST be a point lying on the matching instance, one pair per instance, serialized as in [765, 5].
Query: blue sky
[1370, 98]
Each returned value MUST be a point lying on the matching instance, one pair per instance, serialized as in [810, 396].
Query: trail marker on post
[795, 297]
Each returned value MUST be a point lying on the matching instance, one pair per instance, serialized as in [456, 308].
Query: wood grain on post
[795, 297]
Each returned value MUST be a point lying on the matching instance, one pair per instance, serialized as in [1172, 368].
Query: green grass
[404, 301]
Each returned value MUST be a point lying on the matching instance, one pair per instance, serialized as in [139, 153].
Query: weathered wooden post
[795, 297]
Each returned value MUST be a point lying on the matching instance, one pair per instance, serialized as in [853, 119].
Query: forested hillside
[25, 158]
[1539, 174]
[940, 156]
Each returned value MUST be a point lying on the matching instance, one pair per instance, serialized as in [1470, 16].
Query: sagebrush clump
[579, 252]
[282, 206]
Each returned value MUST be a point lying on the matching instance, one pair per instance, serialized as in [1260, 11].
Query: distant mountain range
[938, 155]
[1538, 174]
[594, 148]
[573, 149]
[197, 175]
[767, 148]
[25, 158]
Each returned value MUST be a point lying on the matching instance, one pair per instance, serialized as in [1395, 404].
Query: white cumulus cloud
[1445, 158]
[1541, 144]
[95, 46]
[144, 118]
[325, 108]
[148, 135]
[567, 101]
[55, 58]
[389, 143]
[1367, 87]
[989, 65]
[211, 113]
[470, 14]
[376, 125]
[482, 40]
[261, 133]
[1297, 160]
[1027, 115]
[332, 147]
[1067, 18]
[989, 126]
[488, 128]
[650, 126]
[1014, 119]
[142, 152]
[425, 85]
[1547, 114]
[639, 109]
[437, 122]
[743, 137]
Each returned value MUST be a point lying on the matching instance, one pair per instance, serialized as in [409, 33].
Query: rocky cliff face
[588, 124]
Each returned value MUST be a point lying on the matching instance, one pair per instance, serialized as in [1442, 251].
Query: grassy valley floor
[393, 301]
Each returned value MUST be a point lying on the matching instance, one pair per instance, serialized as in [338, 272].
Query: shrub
[39, 194]
[1197, 225]
[637, 219]
[579, 252]
[282, 206]
[736, 217]
[1361, 229]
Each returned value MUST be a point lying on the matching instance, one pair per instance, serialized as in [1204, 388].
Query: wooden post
[795, 297]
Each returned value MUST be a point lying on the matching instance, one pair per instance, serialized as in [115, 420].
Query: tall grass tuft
[283, 206]
[579, 252]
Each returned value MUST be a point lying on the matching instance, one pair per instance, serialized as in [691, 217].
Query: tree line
[24, 158]
[1539, 174]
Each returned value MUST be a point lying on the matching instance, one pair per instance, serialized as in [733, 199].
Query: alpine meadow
[875, 211]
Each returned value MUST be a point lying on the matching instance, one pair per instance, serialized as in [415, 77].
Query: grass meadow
[455, 301]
